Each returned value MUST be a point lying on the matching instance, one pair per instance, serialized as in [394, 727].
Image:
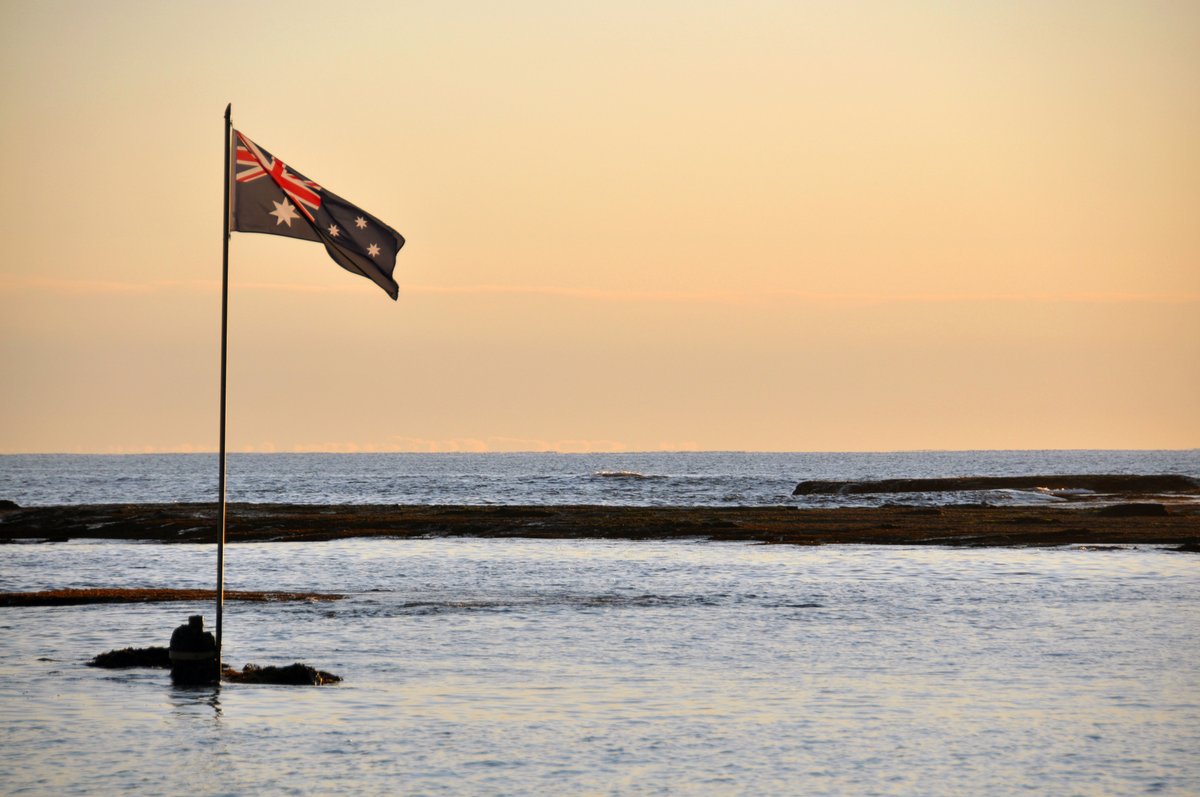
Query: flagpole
[224, 348]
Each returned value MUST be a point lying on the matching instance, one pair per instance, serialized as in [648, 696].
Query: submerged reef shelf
[76, 597]
[1064, 523]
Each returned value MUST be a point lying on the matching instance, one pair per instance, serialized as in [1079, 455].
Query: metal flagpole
[224, 342]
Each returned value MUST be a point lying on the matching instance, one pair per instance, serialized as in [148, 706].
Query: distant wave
[1065, 491]
[511, 603]
[623, 474]
[1055, 485]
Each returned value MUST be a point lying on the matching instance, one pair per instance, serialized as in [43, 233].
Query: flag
[271, 197]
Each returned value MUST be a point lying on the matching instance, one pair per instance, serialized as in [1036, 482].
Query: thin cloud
[401, 444]
[813, 297]
[88, 287]
[73, 287]
[590, 294]
[568, 446]
[395, 445]
[1013, 297]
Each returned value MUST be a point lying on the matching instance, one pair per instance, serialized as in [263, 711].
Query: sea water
[638, 479]
[606, 667]
[593, 667]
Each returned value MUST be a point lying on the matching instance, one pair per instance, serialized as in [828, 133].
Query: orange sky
[754, 225]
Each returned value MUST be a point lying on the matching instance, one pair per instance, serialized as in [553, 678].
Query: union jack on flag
[270, 197]
[253, 164]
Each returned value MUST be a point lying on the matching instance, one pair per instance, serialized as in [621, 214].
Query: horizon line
[189, 452]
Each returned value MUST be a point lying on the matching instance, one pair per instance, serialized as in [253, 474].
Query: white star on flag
[284, 212]
[373, 250]
[333, 231]
[360, 223]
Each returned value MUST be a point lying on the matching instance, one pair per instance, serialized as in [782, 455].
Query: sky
[778, 226]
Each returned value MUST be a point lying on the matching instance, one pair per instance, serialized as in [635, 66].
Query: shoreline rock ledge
[1118, 484]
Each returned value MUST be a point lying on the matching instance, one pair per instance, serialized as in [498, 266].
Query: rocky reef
[77, 597]
[292, 675]
[296, 674]
[1110, 484]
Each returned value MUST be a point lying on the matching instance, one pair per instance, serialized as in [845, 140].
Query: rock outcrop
[292, 675]
[156, 657]
[1098, 483]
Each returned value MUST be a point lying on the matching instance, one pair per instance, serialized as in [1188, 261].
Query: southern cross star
[360, 223]
[373, 250]
[283, 212]
[333, 231]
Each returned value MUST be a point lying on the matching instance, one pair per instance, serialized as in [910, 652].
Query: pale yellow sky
[752, 225]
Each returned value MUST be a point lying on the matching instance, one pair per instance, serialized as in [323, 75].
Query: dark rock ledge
[976, 525]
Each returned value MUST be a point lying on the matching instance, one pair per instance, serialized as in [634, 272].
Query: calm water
[596, 667]
[695, 479]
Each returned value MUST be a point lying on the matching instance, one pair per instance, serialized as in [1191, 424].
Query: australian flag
[272, 198]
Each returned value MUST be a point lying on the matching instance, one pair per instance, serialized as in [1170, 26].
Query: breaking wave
[624, 474]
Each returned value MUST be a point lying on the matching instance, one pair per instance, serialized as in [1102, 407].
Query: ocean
[605, 667]
[638, 479]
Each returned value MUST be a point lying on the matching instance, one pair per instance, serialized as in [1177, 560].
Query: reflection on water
[527, 666]
[189, 701]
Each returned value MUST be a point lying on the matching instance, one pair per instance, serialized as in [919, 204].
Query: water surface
[616, 667]
[634, 479]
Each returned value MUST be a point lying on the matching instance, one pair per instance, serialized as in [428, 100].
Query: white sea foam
[622, 474]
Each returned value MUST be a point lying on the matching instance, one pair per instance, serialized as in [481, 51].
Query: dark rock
[160, 658]
[1133, 510]
[912, 509]
[805, 526]
[292, 675]
[1188, 547]
[1100, 483]
[6, 505]
[133, 657]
